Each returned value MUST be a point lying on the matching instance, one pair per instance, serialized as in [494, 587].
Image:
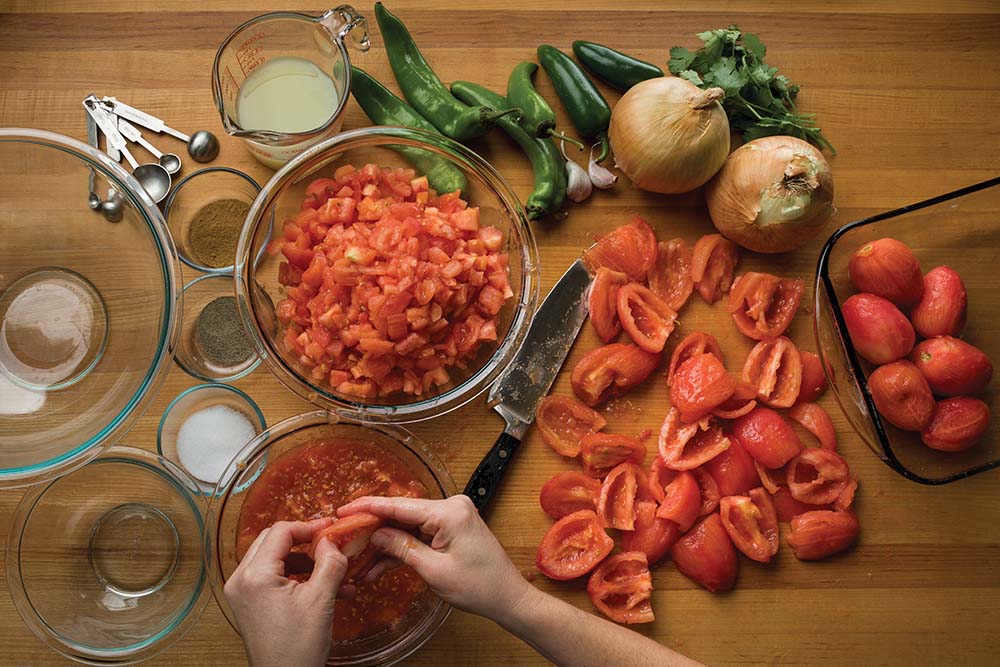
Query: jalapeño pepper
[619, 70]
[584, 103]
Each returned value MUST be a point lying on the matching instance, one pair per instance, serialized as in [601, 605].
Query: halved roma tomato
[743, 400]
[713, 263]
[621, 588]
[763, 305]
[815, 419]
[659, 476]
[700, 385]
[652, 535]
[568, 492]
[775, 369]
[817, 476]
[787, 507]
[600, 452]
[751, 523]
[813, 378]
[821, 533]
[616, 501]
[686, 446]
[611, 370]
[629, 249]
[706, 555]
[646, 318]
[709, 490]
[846, 497]
[564, 421]
[603, 303]
[733, 470]
[694, 343]
[767, 437]
[350, 535]
[770, 478]
[670, 278]
[573, 546]
[681, 501]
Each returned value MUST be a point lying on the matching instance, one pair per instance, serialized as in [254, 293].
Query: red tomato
[603, 302]
[646, 318]
[817, 476]
[573, 546]
[743, 400]
[629, 249]
[888, 268]
[600, 452]
[846, 497]
[821, 533]
[952, 367]
[611, 370]
[616, 501]
[660, 474]
[901, 395]
[709, 490]
[813, 378]
[958, 423]
[767, 437]
[568, 492]
[879, 331]
[652, 535]
[564, 421]
[763, 305]
[942, 309]
[815, 419]
[621, 588]
[642, 489]
[351, 535]
[751, 523]
[670, 278]
[694, 343]
[770, 478]
[713, 263]
[706, 555]
[787, 507]
[686, 446]
[733, 470]
[700, 385]
[775, 369]
[681, 501]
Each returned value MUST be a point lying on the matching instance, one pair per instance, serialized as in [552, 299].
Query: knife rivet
[481, 491]
[503, 453]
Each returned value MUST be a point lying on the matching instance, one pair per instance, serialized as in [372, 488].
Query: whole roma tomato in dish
[767, 437]
[568, 492]
[879, 331]
[787, 507]
[943, 307]
[902, 395]
[681, 501]
[763, 305]
[743, 400]
[621, 588]
[733, 470]
[713, 264]
[817, 421]
[686, 446]
[705, 554]
[601, 452]
[603, 303]
[564, 421]
[952, 367]
[774, 367]
[652, 535]
[646, 318]
[660, 474]
[700, 385]
[573, 546]
[616, 501]
[709, 490]
[817, 476]
[888, 268]
[821, 533]
[751, 523]
[813, 378]
[610, 371]
[694, 344]
[629, 249]
[958, 423]
[670, 278]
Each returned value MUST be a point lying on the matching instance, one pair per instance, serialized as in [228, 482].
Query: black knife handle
[489, 473]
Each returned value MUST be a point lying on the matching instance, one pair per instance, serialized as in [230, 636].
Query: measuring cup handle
[347, 26]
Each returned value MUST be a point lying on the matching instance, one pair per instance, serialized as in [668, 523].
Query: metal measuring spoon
[153, 178]
[169, 161]
[203, 146]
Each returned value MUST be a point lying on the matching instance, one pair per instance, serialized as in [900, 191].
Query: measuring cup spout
[347, 26]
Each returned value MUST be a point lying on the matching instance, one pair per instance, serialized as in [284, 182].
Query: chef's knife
[528, 377]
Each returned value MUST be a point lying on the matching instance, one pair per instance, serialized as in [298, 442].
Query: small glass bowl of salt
[205, 427]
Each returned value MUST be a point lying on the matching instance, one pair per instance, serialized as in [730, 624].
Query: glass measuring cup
[320, 40]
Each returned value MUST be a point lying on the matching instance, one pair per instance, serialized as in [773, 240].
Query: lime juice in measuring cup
[281, 80]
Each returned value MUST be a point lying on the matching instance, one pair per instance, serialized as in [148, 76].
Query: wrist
[521, 603]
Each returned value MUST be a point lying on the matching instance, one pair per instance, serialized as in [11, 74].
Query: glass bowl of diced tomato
[905, 321]
[397, 280]
[304, 468]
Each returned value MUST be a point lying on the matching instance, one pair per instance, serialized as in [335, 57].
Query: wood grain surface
[908, 93]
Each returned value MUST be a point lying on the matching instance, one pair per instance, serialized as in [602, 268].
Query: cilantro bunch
[759, 101]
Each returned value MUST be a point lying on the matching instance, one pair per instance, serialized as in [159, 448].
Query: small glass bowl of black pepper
[205, 213]
[213, 345]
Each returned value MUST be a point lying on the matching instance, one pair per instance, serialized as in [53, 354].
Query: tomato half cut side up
[660, 474]
[670, 278]
[763, 305]
[621, 588]
[817, 421]
[616, 501]
[573, 546]
[818, 534]
[700, 385]
[706, 555]
[771, 478]
[601, 452]
[774, 367]
[751, 524]
[713, 264]
[629, 249]
[610, 371]
[646, 318]
[695, 343]
[681, 501]
[686, 446]
[568, 492]
[767, 437]
[652, 535]
[818, 476]
[603, 303]
[564, 421]
[709, 490]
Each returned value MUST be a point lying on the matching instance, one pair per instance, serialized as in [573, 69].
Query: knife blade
[517, 392]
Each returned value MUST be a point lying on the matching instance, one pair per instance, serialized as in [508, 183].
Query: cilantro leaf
[725, 75]
[692, 76]
[754, 46]
[680, 59]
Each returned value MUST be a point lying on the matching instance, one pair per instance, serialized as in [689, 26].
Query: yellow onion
[772, 195]
[668, 135]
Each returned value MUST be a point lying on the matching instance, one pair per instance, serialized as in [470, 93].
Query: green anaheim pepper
[537, 117]
[617, 69]
[584, 103]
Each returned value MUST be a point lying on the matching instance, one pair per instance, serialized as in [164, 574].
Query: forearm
[570, 637]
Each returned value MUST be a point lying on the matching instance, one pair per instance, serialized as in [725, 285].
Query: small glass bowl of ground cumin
[214, 346]
[205, 213]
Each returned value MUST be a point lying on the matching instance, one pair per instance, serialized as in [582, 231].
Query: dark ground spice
[219, 335]
[215, 230]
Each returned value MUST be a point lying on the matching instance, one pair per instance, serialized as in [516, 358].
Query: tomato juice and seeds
[391, 288]
[312, 481]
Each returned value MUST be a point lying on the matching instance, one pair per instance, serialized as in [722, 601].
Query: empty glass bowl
[88, 308]
[259, 290]
[105, 563]
[214, 346]
[960, 229]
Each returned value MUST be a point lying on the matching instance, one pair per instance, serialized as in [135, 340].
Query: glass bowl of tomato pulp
[305, 467]
[377, 296]
[961, 230]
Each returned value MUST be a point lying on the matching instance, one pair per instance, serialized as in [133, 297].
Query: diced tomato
[603, 302]
[740, 403]
[706, 555]
[787, 507]
[319, 191]
[763, 305]
[670, 278]
[692, 345]
[813, 378]
[568, 492]
[815, 419]
[709, 490]
[700, 385]
[751, 523]
[601, 452]
[681, 501]
[733, 470]
[767, 437]
[818, 534]
[652, 535]
[775, 369]
[629, 249]
[573, 546]
[659, 476]
[713, 264]
[616, 502]
[646, 318]
[817, 476]
[300, 257]
[621, 588]
[686, 446]
[564, 421]
[611, 371]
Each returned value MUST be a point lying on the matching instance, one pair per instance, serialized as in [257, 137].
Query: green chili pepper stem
[490, 116]
[562, 137]
[605, 147]
[587, 108]
[619, 70]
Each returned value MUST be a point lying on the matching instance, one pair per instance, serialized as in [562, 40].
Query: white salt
[209, 439]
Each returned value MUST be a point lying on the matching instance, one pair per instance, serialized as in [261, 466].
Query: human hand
[284, 622]
[464, 564]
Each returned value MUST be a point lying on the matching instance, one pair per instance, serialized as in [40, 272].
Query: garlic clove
[599, 176]
[578, 185]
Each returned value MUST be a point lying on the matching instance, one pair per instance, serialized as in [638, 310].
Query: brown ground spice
[215, 230]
